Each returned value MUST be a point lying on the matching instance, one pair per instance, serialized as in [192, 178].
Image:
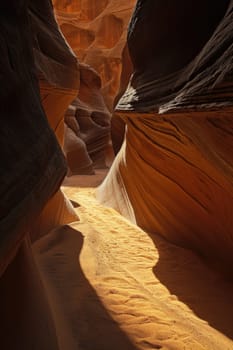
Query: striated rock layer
[33, 165]
[33, 162]
[174, 172]
[96, 30]
[32, 169]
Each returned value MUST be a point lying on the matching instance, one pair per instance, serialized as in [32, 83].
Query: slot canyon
[116, 213]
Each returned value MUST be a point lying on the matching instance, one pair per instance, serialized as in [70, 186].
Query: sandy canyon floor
[112, 286]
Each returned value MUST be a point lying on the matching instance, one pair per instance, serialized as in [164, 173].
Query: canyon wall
[33, 164]
[59, 81]
[96, 31]
[87, 126]
[174, 173]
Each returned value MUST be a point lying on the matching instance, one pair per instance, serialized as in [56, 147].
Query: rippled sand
[112, 286]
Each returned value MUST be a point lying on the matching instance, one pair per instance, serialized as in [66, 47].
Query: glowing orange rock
[96, 30]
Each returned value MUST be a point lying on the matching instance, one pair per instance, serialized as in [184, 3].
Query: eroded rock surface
[174, 172]
[96, 30]
[88, 126]
[78, 159]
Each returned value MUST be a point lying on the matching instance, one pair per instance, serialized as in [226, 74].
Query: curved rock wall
[33, 162]
[78, 159]
[59, 81]
[174, 172]
[33, 165]
[96, 30]
[88, 126]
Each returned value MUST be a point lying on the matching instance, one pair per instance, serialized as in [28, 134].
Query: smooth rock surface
[33, 167]
[174, 173]
[32, 163]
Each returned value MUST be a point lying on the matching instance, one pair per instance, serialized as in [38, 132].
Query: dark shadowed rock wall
[33, 165]
[59, 78]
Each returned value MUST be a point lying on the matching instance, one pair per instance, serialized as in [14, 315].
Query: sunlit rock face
[96, 31]
[88, 126]
[174, 173]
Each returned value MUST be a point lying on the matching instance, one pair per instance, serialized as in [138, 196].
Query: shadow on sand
[89, 323]
[203, 290]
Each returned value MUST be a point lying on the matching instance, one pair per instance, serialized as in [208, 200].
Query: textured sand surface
[112, 286]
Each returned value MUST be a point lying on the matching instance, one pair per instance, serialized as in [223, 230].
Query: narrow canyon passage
[116, 177]
[112, 286]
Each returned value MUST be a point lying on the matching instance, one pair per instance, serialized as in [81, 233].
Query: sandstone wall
[88, 126]
[32, 169]
[96, 30]
[59, 80]
[34, 165]
[174, 173]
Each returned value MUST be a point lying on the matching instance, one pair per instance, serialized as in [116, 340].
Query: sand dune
[112, 286]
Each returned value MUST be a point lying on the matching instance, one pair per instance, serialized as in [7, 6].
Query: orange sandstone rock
[96, 30]
[174, 172]
[78, 159]
[89, 120]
